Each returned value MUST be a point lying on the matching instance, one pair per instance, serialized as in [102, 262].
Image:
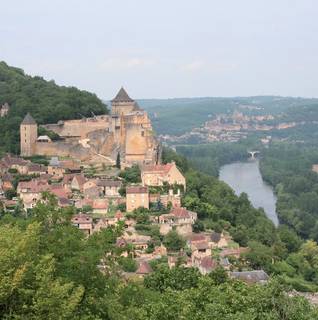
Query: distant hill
[45, 100]
[177, 116]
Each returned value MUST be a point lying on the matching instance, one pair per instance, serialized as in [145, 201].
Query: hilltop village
[109, 170]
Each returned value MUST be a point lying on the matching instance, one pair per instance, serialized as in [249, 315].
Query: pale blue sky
[166, 48]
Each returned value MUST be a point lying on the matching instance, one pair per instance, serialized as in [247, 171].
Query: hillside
[177, 116]
[45, 100]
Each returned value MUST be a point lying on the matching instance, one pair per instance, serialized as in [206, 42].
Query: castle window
[142, 133]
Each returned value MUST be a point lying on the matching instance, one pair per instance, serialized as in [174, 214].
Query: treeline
[288, 167]
[209, 158]
[46, 101]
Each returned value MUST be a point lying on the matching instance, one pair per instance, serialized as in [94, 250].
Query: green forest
[46, 101]
[288, 167]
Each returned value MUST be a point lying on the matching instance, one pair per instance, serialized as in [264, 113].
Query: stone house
[84, 222]
[156, 175]
[16, 163]
[109, 187]
[36, 169]
[205, 264]
[78, 182]
[137, 197]
[144, 268]
[100, 206]
[30, 192]
[180, 218]
[218, 240]
[55, 168]
[91, 193]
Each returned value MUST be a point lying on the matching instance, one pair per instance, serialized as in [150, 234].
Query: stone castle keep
[127, 131]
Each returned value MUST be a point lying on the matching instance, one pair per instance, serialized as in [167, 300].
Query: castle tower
[28, 136]
[122, 104]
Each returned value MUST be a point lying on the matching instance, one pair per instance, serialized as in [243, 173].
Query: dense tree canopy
[46, 101]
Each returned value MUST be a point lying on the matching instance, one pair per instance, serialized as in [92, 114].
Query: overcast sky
[166, 48]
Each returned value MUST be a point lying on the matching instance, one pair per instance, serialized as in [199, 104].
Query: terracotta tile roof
[136, 189]
[80, 179]
[202, 245]
[10, 161]
[180, 213]
[208, 263]
[82, 218]
[197, 237]
[68, 178]
[159, 168]
[36, 168]
[34, 186]
[100, 204]
[144, 268]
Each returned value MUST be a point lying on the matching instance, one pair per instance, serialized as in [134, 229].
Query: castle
[125, 133]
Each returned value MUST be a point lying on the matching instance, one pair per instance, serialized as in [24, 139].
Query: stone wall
[80, 128]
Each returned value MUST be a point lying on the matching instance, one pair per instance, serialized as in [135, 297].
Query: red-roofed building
[156, 175]
[100, 206]
[84, 222]
[144, 268]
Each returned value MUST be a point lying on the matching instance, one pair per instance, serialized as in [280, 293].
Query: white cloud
[126, 63]
[199, 65]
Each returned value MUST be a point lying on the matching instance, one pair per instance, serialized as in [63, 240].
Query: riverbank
[246, 177]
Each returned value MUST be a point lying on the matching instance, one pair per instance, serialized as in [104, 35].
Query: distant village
[229, 128]
[134, 191]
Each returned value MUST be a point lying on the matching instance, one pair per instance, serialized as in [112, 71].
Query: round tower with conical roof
[28, 136]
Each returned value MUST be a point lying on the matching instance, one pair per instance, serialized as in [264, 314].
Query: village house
[205, 264]
[16, 163]
[109, 187]
[30, 192]
[156, 175]
[78, 182]
[55, 168]
[137, 197]
[36, 169]
[218, 240]
[144, 268]
[100, 206]
[178, 216]
[139, 242]
[84, 222]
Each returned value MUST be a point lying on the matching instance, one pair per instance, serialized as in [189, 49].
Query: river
[246, 177]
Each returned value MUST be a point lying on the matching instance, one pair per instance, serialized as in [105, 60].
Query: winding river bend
[246, 177]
